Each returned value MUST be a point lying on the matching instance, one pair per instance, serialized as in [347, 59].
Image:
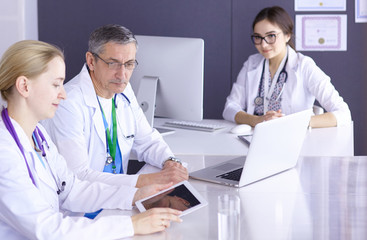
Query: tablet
[181, 196]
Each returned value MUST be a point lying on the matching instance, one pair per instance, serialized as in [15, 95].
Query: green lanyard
[112, 143]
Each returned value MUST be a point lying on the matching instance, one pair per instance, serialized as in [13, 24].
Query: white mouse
[241, 129]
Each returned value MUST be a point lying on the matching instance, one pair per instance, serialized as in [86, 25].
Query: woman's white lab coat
[79, 133]
[35, 212]
[306, 82]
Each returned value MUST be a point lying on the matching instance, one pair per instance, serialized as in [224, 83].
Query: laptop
[275, 147]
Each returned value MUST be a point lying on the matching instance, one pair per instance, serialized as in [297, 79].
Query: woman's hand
[245, 118]
[269, 115]
[154, 220]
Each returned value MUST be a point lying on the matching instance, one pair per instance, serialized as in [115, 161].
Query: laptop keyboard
[234, 175]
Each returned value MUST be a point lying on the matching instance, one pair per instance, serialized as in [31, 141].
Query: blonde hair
[27, 58]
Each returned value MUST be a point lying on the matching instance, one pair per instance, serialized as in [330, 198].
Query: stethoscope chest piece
[109, 159]
[259, 101]
[283, 75]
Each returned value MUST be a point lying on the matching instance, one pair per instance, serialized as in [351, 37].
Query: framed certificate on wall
[361, 11]
[320, 5]
[321, 32]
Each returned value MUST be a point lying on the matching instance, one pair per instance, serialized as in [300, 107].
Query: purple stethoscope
[39, 139]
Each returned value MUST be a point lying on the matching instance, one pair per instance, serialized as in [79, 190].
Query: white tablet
[181, 196]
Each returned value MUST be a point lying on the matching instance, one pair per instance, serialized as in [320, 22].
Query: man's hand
[171, 172]
[149, 190]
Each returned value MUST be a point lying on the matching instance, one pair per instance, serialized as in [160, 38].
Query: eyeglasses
[269, 39]
[130, 65]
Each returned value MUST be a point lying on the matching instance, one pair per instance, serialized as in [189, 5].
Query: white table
[334, 141]
[321, 198]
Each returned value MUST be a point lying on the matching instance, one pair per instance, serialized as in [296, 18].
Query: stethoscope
[128, 136]
[40, 142]
[283, 74]
[109, 159]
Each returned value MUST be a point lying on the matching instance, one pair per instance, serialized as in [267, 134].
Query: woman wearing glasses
[279, 80]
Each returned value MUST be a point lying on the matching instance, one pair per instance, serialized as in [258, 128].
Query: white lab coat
[79, 133]
[306, 82]
[35, 211]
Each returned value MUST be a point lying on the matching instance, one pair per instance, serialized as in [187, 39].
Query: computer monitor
[178, 64]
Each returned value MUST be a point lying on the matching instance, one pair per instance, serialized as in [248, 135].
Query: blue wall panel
[68, 24]
[225, 26]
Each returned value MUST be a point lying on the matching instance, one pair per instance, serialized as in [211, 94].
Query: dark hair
[277, 15]
[109, 33]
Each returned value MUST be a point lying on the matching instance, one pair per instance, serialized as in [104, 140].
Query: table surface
[333, 141]
[321, 198]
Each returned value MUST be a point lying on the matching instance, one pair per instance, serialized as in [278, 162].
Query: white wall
[18, 21]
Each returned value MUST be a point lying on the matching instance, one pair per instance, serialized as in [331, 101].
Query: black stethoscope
[128, 136]
[40, 142]
[283, 74]
[127, 99]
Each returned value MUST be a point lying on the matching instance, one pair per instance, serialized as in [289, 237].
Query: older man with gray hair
[100, 123]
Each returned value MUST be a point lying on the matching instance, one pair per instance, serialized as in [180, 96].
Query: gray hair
[109, 33]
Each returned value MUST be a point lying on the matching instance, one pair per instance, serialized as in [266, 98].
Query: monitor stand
[146, 97]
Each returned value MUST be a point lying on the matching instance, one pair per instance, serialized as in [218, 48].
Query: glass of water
[228, 217]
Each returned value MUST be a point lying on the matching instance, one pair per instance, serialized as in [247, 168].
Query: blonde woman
[35, 184]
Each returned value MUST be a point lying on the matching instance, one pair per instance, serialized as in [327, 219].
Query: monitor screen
[178, 64]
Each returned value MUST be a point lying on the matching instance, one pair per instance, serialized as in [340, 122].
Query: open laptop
[275, 147]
